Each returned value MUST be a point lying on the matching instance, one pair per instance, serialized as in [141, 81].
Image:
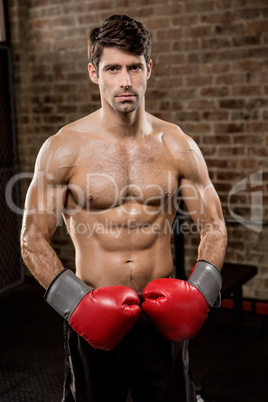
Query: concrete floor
[229, 364]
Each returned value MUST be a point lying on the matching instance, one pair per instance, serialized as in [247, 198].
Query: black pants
[153, 368]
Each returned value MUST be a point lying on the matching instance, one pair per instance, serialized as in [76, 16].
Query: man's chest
[110, 176]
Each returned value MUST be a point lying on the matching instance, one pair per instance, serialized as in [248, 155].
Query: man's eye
[135, 68]
[112, 69]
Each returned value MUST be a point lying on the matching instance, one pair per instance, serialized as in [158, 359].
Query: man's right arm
[43, 207]
[103, 316]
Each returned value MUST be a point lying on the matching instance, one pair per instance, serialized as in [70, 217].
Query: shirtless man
[114, 176]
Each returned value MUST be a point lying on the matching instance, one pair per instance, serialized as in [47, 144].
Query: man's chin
[126, 108]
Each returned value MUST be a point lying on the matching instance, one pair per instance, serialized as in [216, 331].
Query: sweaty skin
[114, 176]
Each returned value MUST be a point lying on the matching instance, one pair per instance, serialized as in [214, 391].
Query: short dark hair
[119, 31]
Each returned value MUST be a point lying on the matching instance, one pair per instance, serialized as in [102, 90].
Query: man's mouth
[125, 97]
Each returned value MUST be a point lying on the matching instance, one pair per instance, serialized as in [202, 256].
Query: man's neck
[132, 124]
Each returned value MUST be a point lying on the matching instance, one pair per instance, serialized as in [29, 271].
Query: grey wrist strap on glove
[65, 292]
[207, 279]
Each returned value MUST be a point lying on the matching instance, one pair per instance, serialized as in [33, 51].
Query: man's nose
[125, 80]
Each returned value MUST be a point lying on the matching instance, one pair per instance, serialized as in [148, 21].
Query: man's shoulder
[60, 152]
[84, 125]
[56, 156]
[58, 142]
[70, 135]
[59, 149]
[172, 134]
[183, 150]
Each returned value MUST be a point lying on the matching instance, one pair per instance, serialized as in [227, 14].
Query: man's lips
[126, 97]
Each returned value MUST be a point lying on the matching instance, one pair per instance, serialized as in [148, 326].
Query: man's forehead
[114, 55]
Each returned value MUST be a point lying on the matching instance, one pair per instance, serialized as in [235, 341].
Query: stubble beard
[128, 107]
[125, 107]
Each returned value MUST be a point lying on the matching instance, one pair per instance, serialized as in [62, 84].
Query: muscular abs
[119, 209]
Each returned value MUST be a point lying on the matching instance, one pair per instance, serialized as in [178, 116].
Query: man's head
[122, 32]
[120, 64]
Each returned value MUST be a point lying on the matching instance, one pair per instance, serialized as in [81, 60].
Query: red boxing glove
[178, 308]
[102, 316]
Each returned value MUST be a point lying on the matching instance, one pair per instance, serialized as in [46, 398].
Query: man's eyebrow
[111, 65]
[107, 66]
[138, 64]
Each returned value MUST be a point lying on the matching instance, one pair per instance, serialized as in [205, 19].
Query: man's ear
[149, 68]
[93, 74]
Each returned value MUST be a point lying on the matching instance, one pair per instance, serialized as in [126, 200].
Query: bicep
[43, 207]
[46, 195]
[198, 193]
[201, 202]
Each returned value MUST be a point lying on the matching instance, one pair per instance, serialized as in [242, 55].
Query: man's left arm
[203, 205]
[179, 308]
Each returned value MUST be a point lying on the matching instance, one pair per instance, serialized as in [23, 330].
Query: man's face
[122, 79]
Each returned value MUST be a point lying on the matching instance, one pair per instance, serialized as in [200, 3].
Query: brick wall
[210, 77]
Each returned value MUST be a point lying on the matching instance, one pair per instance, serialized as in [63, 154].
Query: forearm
[41, 259]
[212, 245]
